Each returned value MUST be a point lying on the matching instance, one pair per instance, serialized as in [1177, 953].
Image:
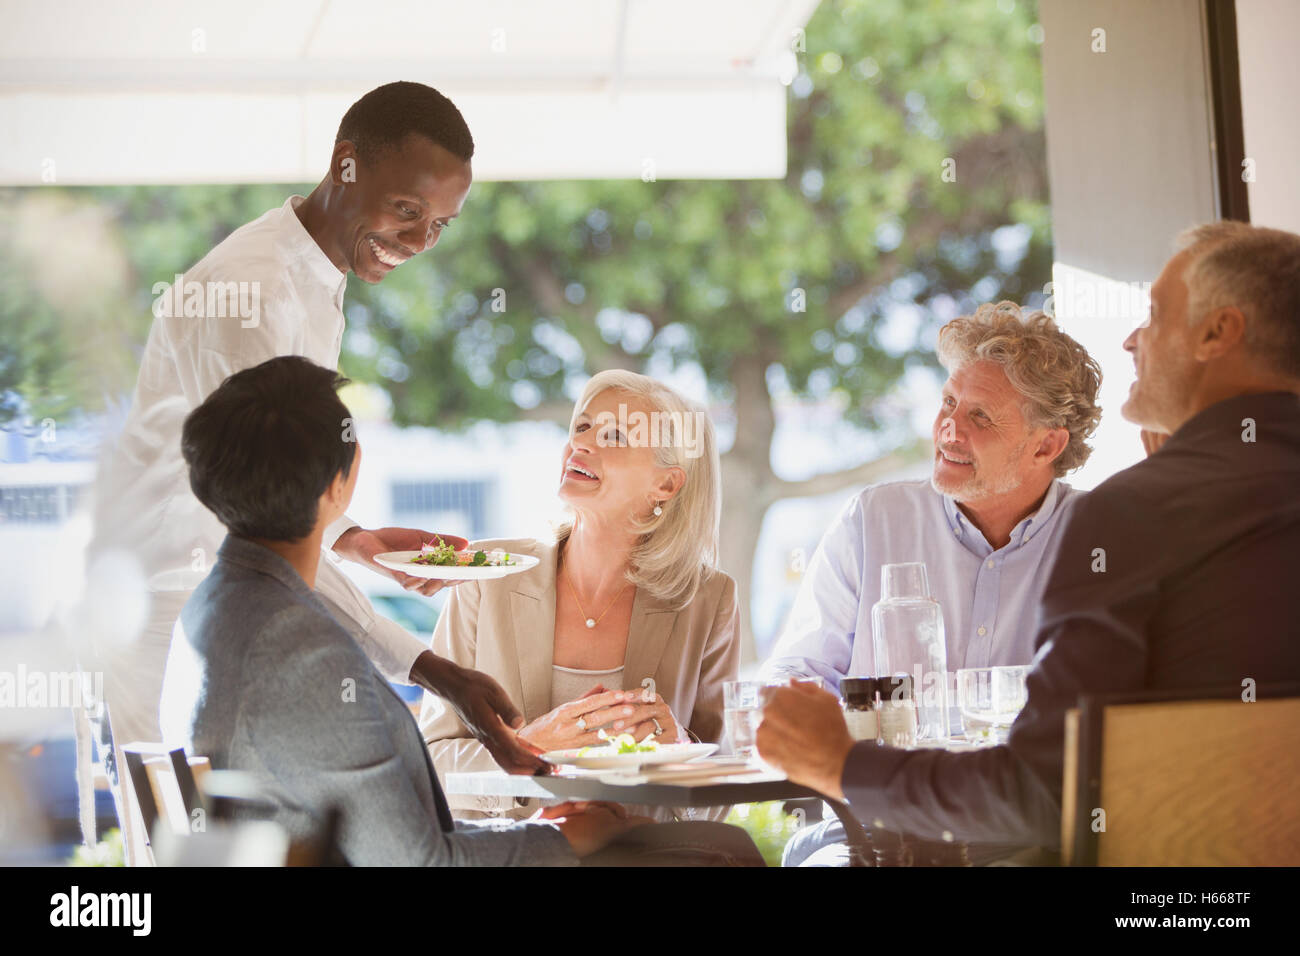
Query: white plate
[669, 753]
[401, 561]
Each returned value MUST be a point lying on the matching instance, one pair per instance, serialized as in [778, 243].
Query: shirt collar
[1023, 531]
[311, 254]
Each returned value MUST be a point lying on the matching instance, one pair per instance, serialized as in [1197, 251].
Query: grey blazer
[268, 682]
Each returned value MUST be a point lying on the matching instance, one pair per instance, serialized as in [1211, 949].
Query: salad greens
[621, 744]
[443, 554]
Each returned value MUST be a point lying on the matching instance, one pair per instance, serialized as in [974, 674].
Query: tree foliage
[916, 185]
[599, 274]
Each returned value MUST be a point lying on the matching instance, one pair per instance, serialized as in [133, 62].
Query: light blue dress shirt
[989, 598]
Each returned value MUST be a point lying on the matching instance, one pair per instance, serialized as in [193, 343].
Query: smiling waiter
[399, 173]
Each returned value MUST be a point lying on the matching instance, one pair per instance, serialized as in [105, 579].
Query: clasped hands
[577, 723]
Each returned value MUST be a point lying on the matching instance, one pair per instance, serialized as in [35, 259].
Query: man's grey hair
[1055, 376]
[1257, 270]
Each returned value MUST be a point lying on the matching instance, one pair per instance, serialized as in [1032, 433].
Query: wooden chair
[166, 787]
[1172, 779]
[172, 790]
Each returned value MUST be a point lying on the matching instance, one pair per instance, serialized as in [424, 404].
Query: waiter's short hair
[265, 445]
[1257, 270]
[382, 119]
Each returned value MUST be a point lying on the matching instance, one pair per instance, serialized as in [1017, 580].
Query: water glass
[740, 714]
[990, 699]
[743, 701]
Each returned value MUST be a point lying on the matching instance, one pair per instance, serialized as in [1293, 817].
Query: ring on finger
[658, 727]
[582, 723]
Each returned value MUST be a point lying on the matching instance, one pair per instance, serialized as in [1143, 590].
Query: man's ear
[343, 163]
[1219, 333]
[1052, 445]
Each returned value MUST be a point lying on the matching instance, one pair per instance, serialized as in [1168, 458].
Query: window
[38, 504]
[451, 505]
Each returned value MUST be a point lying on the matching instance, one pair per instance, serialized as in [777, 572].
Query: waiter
[399, 174]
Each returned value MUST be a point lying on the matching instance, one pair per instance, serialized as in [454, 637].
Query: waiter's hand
[484, 708]
[803, 734]
[361, 545]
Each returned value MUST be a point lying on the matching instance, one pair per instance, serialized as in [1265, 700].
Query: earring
[658, 510]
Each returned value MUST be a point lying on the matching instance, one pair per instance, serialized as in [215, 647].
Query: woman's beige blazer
[506, 628]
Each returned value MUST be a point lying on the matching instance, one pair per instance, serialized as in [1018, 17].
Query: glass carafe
[907, 637]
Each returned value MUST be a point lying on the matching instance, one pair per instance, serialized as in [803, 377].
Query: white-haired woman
[626, 594]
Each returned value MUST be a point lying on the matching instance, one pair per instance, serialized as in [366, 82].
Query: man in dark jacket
[1178, 572]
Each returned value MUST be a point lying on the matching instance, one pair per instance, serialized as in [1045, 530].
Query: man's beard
[977, 485]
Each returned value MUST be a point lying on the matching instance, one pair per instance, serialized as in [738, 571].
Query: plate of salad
[623, 752]
[439, 559]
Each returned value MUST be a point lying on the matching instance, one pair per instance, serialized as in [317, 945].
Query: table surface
[648, 789]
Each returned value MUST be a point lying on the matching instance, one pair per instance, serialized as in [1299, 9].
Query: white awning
[253, 91]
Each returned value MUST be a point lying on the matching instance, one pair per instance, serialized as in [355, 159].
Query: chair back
[1163, 780]
[166, 787]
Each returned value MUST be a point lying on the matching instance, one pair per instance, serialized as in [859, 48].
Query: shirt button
[981, 632]
[957, 532]
[990, 564]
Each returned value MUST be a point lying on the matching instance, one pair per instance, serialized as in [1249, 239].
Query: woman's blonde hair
[677, 547]
[1056, 377]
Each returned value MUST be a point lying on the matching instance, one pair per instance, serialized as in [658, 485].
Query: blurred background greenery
[768, 825]
[916, 188]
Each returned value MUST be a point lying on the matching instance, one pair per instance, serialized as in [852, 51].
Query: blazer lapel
[652, 625]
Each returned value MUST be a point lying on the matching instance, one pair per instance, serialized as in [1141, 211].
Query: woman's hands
[617, 711]
[654, 716]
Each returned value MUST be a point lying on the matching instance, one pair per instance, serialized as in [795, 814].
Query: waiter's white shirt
[143, 500]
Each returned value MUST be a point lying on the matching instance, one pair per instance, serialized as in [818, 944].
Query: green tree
[915, 135]
[77, 272]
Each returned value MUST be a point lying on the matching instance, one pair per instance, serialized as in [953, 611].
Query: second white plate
[669, 753]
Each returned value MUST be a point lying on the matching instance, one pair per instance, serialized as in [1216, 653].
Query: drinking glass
[907, 637]
[740, 715]
[743, 701]
[990, 699]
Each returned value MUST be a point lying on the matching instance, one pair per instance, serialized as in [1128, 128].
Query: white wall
[1267, 31]
[1128, 131]
[1130, 163]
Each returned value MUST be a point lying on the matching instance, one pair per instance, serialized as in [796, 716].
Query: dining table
[704, 782]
